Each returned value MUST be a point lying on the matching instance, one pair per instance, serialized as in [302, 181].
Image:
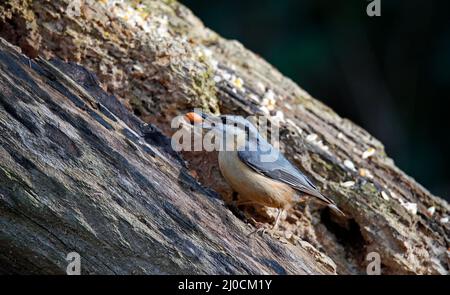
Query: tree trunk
[81, 171]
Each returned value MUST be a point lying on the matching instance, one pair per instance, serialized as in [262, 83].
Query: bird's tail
[329, 202]
[335, 208]
[325, 200]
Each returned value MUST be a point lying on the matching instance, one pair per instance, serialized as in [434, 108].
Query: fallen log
[75, 160]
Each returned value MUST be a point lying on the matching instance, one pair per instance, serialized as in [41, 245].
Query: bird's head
[233, 129]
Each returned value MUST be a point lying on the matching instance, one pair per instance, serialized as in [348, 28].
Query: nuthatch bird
[255, 169]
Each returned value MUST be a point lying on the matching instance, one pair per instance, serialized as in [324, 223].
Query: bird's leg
[261, 228]
[265, 229]
[277, 220]
[274, 228]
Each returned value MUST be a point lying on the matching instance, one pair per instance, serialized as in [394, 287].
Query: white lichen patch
[136, 16]
[349, 164]
[298, 129]
[393, 195]
[288, 235]
[137, 70]
[207, 52]
[261, 87]
[225, 75]
[288, 106]
[384, 195]
[254, 97]
[214, 63]
[206, 55]
[238, 83]
[365, 173]
[431, 210]
[322, 146]
[269, 95]
[368, 153]
[409, 206]
[347, 184]
[269, 100]
[312, 137]
[265, 110]
[279, 117]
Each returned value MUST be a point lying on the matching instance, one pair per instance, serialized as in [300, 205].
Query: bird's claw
[265, 229]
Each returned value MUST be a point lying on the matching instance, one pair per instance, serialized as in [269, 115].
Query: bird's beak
[207, 121]
[195, 117]
[201, 117]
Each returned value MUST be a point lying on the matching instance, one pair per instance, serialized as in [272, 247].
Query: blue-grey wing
[277, 167]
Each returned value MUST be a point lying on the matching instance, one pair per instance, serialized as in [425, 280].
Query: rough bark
[79, 172]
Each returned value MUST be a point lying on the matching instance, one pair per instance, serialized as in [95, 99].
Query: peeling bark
[57, 179]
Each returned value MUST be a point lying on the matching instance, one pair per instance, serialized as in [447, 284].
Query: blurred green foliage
[390, 74]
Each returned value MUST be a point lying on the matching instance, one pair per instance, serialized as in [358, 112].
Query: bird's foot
[263, 228]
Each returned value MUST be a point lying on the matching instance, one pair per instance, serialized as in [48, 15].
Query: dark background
[389, 74]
